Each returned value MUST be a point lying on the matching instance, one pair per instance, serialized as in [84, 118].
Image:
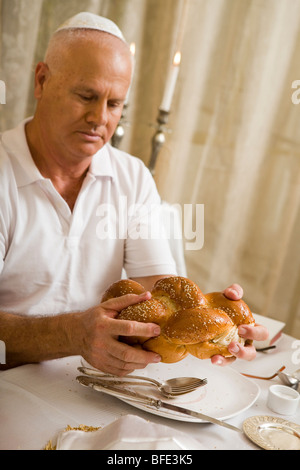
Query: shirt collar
[26, 172]
[101, 163]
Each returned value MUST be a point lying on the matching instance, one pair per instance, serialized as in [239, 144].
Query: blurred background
[233, 143]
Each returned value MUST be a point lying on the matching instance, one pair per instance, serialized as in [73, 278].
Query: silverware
[101, 386]
[267, 348]
[289, 380]
[265, 378]
[169, 388]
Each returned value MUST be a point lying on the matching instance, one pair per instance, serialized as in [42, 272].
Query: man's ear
[41, 75]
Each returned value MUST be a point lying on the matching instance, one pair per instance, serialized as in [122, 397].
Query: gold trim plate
[272, 433]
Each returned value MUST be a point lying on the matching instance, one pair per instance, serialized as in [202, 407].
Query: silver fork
[169, 388]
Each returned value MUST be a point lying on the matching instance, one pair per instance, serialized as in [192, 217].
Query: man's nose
[98, 113]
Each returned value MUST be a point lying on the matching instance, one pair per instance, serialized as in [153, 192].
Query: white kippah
[91, 21]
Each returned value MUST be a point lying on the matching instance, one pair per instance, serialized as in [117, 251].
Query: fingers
[127, 358]
[133, 328]
[221, 360]
[257, 332]
[104, 350]
[238, 351]
[130, 358]
[118, 303]
[125, 327]
[234, 292]
[120, 359]
[111, 364]
[247, 352]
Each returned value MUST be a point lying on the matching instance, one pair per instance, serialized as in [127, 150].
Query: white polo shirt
[53, 260]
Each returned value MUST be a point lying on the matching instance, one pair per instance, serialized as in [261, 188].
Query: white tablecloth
[39, 400]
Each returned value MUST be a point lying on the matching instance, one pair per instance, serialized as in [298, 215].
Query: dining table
[40, 401]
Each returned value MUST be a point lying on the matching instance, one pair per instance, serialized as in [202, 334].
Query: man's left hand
[248, 332]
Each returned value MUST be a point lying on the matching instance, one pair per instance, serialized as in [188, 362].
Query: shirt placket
[71, 222]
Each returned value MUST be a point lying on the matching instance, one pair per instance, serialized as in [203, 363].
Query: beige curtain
[234, 145]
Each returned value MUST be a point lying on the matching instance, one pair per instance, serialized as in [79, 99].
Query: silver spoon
[289, 380]
[172, 387]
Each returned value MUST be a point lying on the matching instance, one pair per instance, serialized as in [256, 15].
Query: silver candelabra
[119, 132]
[159, 137]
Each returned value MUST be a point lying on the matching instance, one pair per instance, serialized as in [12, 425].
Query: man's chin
[89, 149]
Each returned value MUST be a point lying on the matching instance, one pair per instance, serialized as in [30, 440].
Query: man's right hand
[100, 331]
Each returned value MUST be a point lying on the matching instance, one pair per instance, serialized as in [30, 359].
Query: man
[57, 173]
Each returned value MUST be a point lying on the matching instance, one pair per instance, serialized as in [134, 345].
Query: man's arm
[92, 334]
[34, 339]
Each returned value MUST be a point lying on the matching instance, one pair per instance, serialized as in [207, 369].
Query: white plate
[272, 433]
[226, 394]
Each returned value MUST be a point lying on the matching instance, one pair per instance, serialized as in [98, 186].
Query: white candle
[171, 83]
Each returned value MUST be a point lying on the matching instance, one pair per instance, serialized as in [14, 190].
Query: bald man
[58, 171]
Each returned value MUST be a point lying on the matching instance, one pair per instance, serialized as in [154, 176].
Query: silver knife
[110, 389]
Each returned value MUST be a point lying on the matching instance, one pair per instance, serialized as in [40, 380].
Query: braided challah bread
[190, 322]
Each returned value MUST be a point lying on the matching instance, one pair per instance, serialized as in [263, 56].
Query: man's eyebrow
[91, 91]
[84, 88]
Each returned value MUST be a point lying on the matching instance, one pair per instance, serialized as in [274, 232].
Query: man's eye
[85, 98]
[115, 104]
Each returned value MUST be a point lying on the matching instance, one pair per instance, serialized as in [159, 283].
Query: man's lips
[90, 136]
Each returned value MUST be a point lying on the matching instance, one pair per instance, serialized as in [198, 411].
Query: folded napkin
[127, 433]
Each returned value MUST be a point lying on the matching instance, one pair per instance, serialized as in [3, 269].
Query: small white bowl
[283, 400]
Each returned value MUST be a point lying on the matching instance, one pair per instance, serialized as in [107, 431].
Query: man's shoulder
[124, 161]
[5, 161]
[122, 156]
[12, 141]
[8, 174]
